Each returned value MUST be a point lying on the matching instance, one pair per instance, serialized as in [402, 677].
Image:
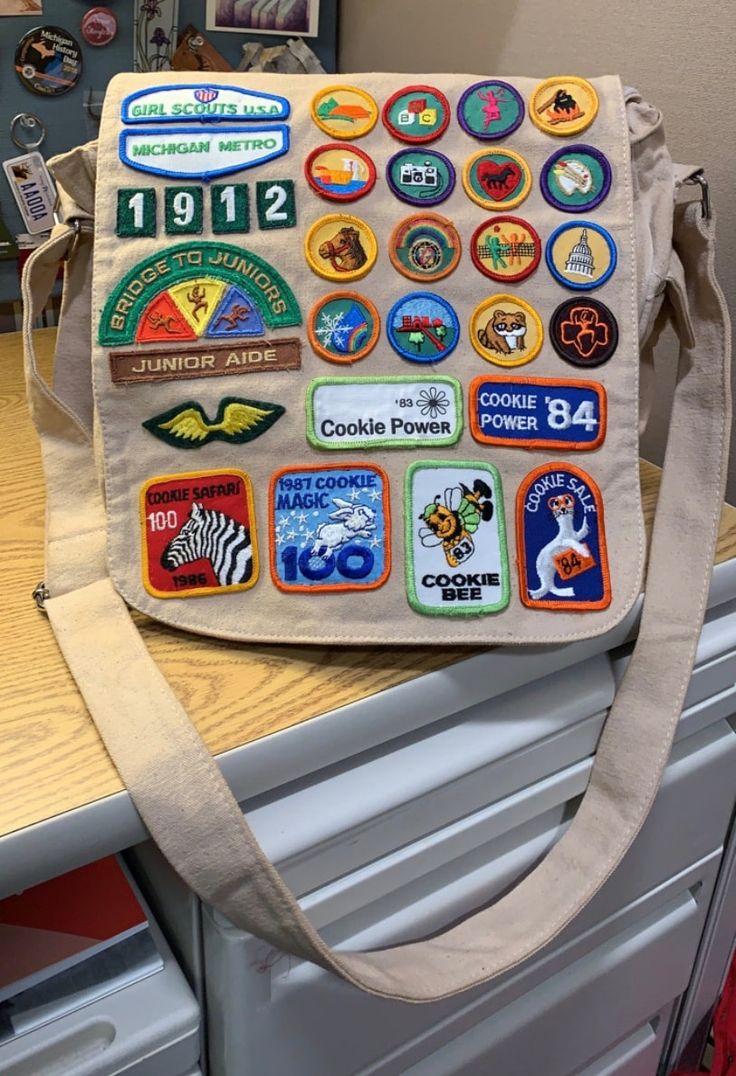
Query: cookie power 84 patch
[329, 527]
[456, 555]
[529, 412]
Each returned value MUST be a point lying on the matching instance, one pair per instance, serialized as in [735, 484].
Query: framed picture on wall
[21, 7]
[285, 17]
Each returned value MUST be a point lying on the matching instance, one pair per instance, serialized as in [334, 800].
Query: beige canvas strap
[190, 811]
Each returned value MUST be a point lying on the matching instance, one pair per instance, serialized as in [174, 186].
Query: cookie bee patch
[561, 543]
[456, 554]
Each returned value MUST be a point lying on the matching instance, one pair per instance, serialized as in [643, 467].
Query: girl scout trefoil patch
[561, 541]
[456, 555]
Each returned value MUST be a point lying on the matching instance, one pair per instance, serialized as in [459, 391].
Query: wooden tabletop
[51, 758]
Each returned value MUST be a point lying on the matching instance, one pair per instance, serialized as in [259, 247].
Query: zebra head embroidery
[213, 536]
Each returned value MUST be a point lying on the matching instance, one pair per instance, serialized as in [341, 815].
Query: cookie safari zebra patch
[198, 534]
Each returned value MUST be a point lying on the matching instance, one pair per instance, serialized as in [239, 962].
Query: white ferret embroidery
[563, 509]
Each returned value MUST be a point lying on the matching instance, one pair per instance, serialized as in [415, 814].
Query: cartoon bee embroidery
[453, 516]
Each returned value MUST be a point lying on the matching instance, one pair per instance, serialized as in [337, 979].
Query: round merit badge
[576, 177]
[343, 327]
[340, 247]
[48, 61]
[416, 114]
[490, 109]
[581, 255]
[339, 172]
[506, 331]
[423, 327]
[420, 176]
[99, 26]
[497, 179]
[344, 111]
[506, 248]
[583, 332]
[425, 247]
[563, 106]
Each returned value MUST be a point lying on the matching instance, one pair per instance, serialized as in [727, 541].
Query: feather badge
[236, 422]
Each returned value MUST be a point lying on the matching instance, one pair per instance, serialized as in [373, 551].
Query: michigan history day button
[48, 61]
[420, 176]
[581, 255]
[490, 109]
[416, 114]
[506, 248]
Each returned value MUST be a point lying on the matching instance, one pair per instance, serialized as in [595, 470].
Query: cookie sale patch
[583, 332]
[392, 412]
[536, 412]
[497, 179]
[425, 247]
[344, 111]
[576, 178]
[198, 534]
[581, 255]
[182, 104]
[490, 109]
[456, 555]
[560, 540]
[237, 421]
[506, 248]
[563, 106]
[201, 152]
[340, 173]
[416, 114]
[506, 331]
[330, 527]
[420, 176]
[343, 327]
[423, 327]
[340, 247]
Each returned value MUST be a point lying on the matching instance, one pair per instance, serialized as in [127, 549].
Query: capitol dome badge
[581, 255]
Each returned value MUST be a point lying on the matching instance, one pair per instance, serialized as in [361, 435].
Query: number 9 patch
[537, 412]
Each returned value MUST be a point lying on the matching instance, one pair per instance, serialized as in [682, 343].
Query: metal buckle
[40, 594]
[699, 178]
[76, 224]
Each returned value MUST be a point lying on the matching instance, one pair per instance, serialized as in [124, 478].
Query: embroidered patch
[340, 247]
[236, 422]
[497, 179]
[142, 306]
[344, 111]
[393, 412]
[136, 212]
[576, 178]
[198, 534]
[253, 357]
[275, 203]
[506, 248]
[230, 208]
[581, 255]
[506, 331]
[421, 176]
[416, 114]
[201, 152]
[343, 327]
[584, 332]
[330, 527]
[563, 106]
[536, 412]
[182, 104]
[456, 555]
[423, 327]
[183, 210]
[340, 173]
[490, 109]
[425, 247]
[560, 540]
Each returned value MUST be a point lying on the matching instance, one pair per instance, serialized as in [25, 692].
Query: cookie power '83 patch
[561, 540]
[198, 534]
[529, 412]
[330, 527]
[456, 555]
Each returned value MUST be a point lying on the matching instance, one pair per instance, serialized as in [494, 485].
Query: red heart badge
[499, 179]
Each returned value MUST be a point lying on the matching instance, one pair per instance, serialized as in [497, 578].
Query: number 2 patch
[329, 527]
[536, 412]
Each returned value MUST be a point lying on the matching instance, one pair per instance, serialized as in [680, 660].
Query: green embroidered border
[196, 223]
[126, 230]
[153, 425]
[288, 207]
[404, 442]
[499, 518]
[241, 196]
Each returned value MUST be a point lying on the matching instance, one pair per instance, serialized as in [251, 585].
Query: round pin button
[416, 114]
[340, 173]
[420, 176]
[497, 179]
[506, 331]
[99, 26]
[583, 332]
[344, 111]
[563, 106]
[340, 247]
[48, 61]
[581, 255]
[343, 327]
[423, 327]
[490, 109]
[576, 178]
[506, 248]
[425, 247]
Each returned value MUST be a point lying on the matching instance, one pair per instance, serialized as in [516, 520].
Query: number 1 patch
[536, 412]
[329, 527]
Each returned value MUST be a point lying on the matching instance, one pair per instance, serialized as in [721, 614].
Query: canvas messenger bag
[363, 359]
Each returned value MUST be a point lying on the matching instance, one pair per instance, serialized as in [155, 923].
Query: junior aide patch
[456, 555]
[198, 534]
[329, 527]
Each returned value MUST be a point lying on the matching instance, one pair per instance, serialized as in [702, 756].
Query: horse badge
[497, 179]
[340, 247]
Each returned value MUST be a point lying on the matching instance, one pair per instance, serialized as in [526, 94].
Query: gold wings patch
[236, 422]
